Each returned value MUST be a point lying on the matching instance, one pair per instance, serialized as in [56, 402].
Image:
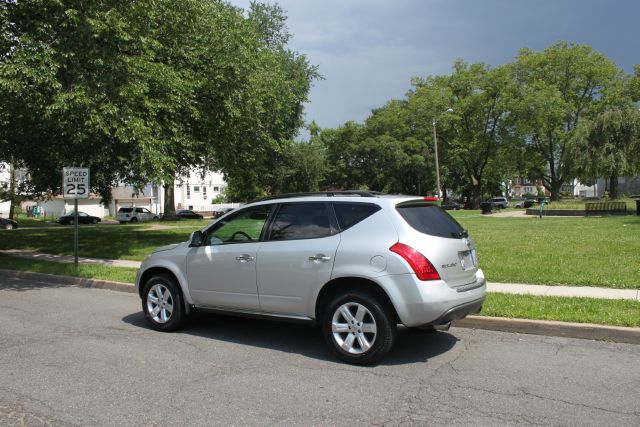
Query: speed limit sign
[75, 183]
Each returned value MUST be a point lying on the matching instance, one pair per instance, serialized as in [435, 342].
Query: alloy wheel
[160, 303]
[354, 328]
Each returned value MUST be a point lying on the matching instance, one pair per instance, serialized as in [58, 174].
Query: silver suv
[356, 263]
[134, 214]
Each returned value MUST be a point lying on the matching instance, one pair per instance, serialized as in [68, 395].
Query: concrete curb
[522, 326]
[68, 280]
[553, 328]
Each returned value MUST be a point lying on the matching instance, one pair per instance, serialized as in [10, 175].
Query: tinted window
[245, 226]
[139, 210]
[125, 210]
[301, 221]
[349, 214]
[430, 219]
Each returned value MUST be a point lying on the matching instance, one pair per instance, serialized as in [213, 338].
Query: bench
[598, 208]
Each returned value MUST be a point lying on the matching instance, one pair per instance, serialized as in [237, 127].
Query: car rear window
[349, 214]
[125, 210]
[430, 219]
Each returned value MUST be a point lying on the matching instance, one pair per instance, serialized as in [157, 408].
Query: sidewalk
[507, 288]
[69, 258]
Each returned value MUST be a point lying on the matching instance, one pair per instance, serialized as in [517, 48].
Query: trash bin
[486, 207]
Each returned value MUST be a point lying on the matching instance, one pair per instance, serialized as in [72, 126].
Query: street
[74, 356]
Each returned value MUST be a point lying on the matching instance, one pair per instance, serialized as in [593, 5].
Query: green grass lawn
[132, 242]
[89, 271]
[555, 250]
[581, 310]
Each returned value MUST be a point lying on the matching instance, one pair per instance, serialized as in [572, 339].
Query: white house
[194, 191]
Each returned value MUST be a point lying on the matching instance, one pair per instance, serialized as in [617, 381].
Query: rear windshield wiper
[460, 235]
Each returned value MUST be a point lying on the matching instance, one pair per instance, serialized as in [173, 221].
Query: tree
[607, 145]
[472, 136]
[142, 91]
[552, 92]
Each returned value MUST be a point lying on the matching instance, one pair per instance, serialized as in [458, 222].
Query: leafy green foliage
[142, 91]
[552, 92]
[607, 145]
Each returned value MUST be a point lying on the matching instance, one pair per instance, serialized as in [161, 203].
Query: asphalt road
[73, 356]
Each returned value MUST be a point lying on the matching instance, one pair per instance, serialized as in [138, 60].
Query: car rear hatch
[441, 239]
[124, 214]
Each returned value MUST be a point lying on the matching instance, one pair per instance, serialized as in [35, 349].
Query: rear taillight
[418, 262]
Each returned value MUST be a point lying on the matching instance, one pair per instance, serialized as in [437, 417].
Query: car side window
[139, 210]
[349, 214]
[245, 226]
[295, 221]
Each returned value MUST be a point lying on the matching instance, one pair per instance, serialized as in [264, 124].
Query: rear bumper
[422, 303]
[459, 312]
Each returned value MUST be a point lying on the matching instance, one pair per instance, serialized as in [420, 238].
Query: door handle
[244, 258]
[319, 258]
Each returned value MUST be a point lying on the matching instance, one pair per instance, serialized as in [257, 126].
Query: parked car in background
[83, 218]
[8, 224]
[451, 205]
[355, 263]
[526, 203]
[499, 202]
[218, 214]
[135, 214]
[187, 214]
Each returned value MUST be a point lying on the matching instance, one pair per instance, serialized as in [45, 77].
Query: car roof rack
[337, 193]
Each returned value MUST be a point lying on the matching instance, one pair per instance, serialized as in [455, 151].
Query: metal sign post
[75, 185]
[75, 233]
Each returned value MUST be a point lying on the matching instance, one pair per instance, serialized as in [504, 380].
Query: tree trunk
[477, 197]
[12, 188]
[169, 198]
[556, 185]
[613, 187]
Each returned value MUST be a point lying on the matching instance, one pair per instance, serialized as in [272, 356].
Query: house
[194, 191]
[521, 186]
[626, 185]
[58, 206]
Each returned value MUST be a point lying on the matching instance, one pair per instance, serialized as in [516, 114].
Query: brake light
[431, 199]
[418, 262]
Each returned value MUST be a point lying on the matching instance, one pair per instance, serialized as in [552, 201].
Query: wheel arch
[153, 271]
[341, 284]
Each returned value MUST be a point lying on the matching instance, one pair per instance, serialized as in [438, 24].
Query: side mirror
[196, 239]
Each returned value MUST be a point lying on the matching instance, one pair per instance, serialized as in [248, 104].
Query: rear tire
[162, 303]
[357, 328]
[8, 226]
[134, 220]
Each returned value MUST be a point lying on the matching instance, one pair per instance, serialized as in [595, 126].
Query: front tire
[162, 303]
[358, 329]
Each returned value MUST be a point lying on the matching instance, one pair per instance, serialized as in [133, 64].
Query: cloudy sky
[368, 50]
